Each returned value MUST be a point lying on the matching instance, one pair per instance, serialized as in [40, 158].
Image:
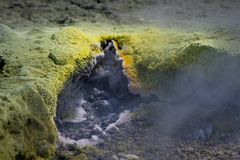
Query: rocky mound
[30, 81]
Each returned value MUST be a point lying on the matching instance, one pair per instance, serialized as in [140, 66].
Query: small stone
[131, 157]
[58, 59]
[123, 156]
[115, 157]
[24, 71]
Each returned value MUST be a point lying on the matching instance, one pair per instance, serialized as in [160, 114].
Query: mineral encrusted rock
[29, 85]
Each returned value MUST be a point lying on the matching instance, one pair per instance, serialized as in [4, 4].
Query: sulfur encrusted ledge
[34, 73]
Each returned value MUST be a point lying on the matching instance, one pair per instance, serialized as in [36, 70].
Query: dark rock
[105, 95]
[17, 3]
[2, 63]
[104, 44]
[99, 59]
[96, 92]
[89, 6]
[66, 20]
[102, 107]
[20, 156]
[113, 65]
[109, 56]
[99, 95]
[115, 104]
[118, 82]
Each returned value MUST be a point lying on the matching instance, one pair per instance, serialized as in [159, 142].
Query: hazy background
[186, 14]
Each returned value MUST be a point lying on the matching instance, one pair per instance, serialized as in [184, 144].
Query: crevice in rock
[96, 101]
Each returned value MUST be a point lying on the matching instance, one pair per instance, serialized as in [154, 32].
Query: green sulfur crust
[35, 71]
[159, 54]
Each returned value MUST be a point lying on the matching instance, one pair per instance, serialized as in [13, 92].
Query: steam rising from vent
[204, 99]
[201, 105]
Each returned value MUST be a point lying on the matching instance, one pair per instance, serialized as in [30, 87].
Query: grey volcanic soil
[184, 14]
[20, 13]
